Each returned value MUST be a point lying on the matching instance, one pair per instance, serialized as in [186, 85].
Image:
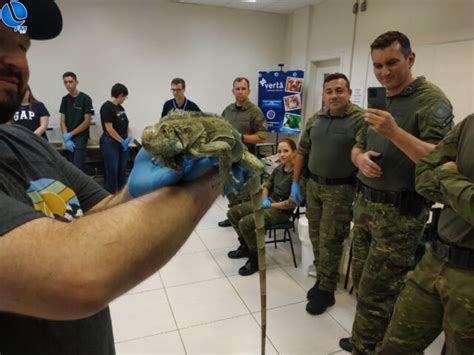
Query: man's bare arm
[62, 123]
[83, 126]
[58, 270]
[414, 148]
[298, 162]
[384, 124]
[252, 139]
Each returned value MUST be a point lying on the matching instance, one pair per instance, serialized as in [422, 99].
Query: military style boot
[312, 290]
[241, 252]
[346, 344]
[251, 266]
[224, 223]
[320, 301]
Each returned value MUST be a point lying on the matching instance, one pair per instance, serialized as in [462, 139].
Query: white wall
[145, 43]
[428, 23]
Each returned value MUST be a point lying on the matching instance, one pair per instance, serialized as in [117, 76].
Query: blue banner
[280, 98]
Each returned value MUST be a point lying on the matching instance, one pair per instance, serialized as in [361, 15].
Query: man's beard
[10, 100]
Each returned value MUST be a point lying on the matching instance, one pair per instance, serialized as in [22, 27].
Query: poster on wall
[280, 98]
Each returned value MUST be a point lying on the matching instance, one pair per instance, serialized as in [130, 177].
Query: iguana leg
[252, 163]
[217, 149]
[256, 197]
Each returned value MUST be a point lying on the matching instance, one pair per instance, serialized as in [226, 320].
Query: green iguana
[199, 135]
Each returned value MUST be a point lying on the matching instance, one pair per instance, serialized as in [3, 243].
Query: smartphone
[377, 98]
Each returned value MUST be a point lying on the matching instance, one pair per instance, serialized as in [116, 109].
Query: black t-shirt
[29, 117]
[31, 169]
[188, 105]
[115, 114]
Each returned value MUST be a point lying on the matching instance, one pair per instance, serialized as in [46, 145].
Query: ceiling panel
[273, 6]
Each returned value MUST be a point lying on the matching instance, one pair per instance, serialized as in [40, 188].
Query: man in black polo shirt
[179, 102]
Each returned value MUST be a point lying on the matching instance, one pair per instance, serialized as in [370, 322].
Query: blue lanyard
[184, 106]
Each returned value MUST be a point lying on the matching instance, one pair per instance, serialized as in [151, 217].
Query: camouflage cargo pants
[236, 199]
[242, 219]
[437, 297]
[329, 213]
[383, 248]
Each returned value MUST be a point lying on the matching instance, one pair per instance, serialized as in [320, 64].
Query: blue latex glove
[70, 145]
[239, 173]
[193, 169]
[125, 142]
[266, 203]
[296, 192]
[147, 175]
[67, 136]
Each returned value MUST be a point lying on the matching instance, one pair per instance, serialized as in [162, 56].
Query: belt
[379, 196]
[452, 255]
[329, 181]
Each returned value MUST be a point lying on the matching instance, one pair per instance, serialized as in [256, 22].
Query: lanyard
[184, 106]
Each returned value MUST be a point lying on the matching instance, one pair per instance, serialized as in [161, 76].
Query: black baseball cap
[44, 18]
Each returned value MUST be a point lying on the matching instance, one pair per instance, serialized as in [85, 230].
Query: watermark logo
[13, 14]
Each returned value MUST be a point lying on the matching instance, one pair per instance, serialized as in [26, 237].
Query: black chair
[286, 227]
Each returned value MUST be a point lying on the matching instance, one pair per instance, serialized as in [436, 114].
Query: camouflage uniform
[248, 119]
[242, 218]
[327, 141]
[440, 296]
[387, 230]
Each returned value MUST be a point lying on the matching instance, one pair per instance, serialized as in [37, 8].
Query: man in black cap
[59, 269]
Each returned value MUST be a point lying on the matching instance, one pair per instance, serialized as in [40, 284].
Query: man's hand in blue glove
[67, 136]
[266, 203]
[193, 169]
[125, 142]
[70, 145]
[147, 175]
[296, 192]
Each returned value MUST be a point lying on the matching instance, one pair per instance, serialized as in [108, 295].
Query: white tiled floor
[198, 304]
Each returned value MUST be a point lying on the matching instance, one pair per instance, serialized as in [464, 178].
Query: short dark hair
[387, 38]
[177, 81]
[241, 78]
[119, 89]
[335, 76]
[70, 73]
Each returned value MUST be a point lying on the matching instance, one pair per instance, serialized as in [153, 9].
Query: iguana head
[164, 143]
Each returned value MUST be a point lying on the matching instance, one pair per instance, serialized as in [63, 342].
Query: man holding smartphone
[389, 215]
[439, 295]
[327, 141]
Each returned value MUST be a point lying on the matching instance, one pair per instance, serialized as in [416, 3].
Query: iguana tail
[256, 197]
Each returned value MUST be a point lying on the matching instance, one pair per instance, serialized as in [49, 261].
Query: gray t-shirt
[31, 169]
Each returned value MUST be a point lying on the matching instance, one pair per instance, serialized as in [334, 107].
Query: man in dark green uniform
[327, 141]
[76, 116]
[389, 215]
[440, 293]
[248, 119]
